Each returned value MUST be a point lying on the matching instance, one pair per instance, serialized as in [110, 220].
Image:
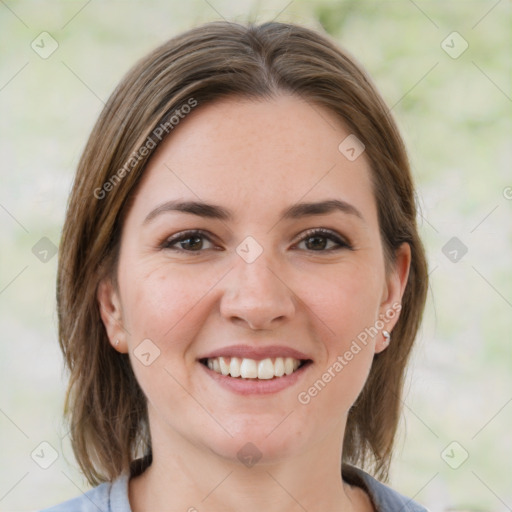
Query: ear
[111, 314]
[391, 305]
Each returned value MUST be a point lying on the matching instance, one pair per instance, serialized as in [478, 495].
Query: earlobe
[396, 282]
[111, 314]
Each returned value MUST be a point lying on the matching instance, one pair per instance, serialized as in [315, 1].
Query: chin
[259, 444]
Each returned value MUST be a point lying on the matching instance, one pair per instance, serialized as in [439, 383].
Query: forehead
[247, 154]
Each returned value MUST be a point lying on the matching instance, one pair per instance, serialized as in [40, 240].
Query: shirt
[113, 496]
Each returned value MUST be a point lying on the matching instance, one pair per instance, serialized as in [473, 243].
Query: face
[252, 237]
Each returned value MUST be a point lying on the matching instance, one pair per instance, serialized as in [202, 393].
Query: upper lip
[257, 353]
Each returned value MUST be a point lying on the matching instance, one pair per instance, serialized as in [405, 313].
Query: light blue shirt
[113, 497]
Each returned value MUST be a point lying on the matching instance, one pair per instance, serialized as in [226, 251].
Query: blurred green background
[454, 107]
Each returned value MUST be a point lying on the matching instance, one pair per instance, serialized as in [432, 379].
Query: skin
[255, 158]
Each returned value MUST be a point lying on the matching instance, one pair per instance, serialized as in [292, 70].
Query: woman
[240, 281]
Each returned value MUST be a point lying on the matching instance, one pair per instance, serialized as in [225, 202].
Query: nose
[256, 295]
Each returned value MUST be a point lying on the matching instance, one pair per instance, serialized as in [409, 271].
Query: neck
[186, 477]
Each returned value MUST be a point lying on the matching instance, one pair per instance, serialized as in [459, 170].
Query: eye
[323, 240]
[188, 241]
[316, 240]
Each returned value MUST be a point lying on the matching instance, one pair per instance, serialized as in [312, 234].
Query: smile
[244, 368]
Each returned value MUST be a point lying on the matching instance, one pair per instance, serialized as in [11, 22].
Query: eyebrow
[295, 211]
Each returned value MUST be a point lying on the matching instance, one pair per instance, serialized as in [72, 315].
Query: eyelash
[310, 233]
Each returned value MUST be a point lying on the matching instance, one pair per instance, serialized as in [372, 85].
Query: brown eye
[192, 243]
[188, 241]
[315, 243]
[323, 240]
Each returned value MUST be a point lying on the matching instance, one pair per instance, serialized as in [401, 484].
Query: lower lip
[256, 386]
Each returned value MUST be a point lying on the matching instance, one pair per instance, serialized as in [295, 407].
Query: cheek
[162, 305]
[346, 300]
[346, 305]
[158, 299]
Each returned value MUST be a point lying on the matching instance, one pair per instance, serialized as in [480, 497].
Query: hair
[104, 404]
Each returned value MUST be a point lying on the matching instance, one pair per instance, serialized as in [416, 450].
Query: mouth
[253, 369]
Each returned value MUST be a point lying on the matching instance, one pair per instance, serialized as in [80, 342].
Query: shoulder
[107, 497]
[91, 501]
[384, 498]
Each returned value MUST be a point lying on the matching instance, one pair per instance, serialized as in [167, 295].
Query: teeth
[265, 369]
[288, 366]
[224, 367]
[248, 369]
[279, 367]
[234, 367]
[252, 369]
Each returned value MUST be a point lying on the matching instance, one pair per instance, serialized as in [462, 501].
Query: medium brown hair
[106, 407]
